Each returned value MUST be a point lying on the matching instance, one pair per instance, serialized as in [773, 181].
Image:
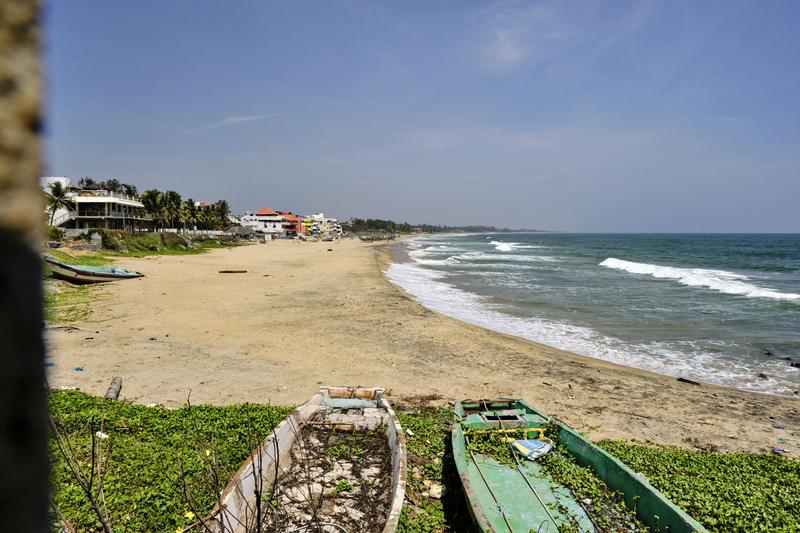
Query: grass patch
[92, 259]
[430, 463]
[65, 303]
[123, 244]
[723, 491]
[143, 488]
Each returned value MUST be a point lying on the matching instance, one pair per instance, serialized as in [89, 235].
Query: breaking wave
[717, 280]
[511, 246]
[431, 289]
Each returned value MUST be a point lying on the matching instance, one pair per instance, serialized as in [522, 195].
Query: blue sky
[569, 115]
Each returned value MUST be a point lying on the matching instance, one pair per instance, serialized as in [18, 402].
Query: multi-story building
[95, 209]
[266, 221]
[293, 224]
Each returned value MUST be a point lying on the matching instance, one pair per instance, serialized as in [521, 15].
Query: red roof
[266, 211]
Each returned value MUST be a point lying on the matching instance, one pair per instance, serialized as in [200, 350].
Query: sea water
[724, 309]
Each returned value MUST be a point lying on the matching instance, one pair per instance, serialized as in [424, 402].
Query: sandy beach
[310, 313]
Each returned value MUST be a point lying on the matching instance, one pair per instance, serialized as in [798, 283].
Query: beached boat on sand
[338, 463]
[82, 274]
[520, 496]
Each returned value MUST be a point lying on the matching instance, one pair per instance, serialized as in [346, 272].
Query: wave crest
[717, 280]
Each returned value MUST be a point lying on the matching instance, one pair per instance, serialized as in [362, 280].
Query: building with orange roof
[266, 221]
[293, 224]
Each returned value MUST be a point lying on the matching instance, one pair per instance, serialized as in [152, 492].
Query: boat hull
[234, 509]
[488, 487]
[84, 276]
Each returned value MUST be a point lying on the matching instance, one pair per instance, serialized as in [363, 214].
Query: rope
[527, 482]
[499, 506]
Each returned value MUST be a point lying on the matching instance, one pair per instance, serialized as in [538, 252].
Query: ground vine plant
[143, 487]
[606, 508]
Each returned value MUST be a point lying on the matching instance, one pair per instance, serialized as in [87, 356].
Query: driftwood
[233, 271]
[113, 389]
[689, 381]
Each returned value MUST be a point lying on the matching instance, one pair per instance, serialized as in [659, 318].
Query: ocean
[723, 309]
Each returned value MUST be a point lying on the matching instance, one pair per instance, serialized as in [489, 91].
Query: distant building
[325, 226]
[293, 224]
[95, 209]
[265, 220]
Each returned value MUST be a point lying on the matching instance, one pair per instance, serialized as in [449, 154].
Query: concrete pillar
[23, 411]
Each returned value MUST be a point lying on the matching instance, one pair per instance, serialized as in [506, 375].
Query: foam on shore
[430, 288]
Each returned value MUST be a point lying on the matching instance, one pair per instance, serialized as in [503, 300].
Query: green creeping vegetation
[723, 491]
[122, 244]
[494, 445]
[430, 461]
[607, 508]
[348, 449]
[342, 486]
[146, 449]
[68, 303]
[118, 244]
[84, 259]
[143, 489]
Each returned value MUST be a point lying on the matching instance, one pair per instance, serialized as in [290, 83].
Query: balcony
[104, 194]
[113, 214]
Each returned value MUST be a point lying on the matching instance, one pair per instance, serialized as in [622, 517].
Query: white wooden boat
[82, 274]
[342, 412]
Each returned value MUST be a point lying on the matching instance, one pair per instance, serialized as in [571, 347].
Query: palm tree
[87, 183]
[112, 185]
[129, 190]
[205, 217]
[57, 199]
[172, 207]
[153, 201]
[222, 210]
[188, 213]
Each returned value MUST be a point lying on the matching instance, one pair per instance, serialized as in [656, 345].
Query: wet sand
[305, 314]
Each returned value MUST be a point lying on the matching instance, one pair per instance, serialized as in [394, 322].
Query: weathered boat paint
[341, 406]
[500, 500]
[82, 275]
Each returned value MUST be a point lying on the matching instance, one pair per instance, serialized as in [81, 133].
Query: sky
[618, 115]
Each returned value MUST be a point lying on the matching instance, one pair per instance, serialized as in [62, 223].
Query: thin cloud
[513, 34]
[232, 121]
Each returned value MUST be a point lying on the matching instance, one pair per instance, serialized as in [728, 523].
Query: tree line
[170, 211]
[167, 208]
[111, 185]
[360, 225]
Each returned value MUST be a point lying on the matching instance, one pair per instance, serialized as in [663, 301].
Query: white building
[264, 220]
[93, 209]
[321, 224]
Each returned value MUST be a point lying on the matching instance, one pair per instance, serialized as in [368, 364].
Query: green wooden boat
[522, 497]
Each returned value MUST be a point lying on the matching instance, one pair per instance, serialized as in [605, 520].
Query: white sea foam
[431, 290]
[717, 280]
[511, 246]
[505, 246]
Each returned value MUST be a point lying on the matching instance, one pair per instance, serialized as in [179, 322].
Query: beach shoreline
[311, 313]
